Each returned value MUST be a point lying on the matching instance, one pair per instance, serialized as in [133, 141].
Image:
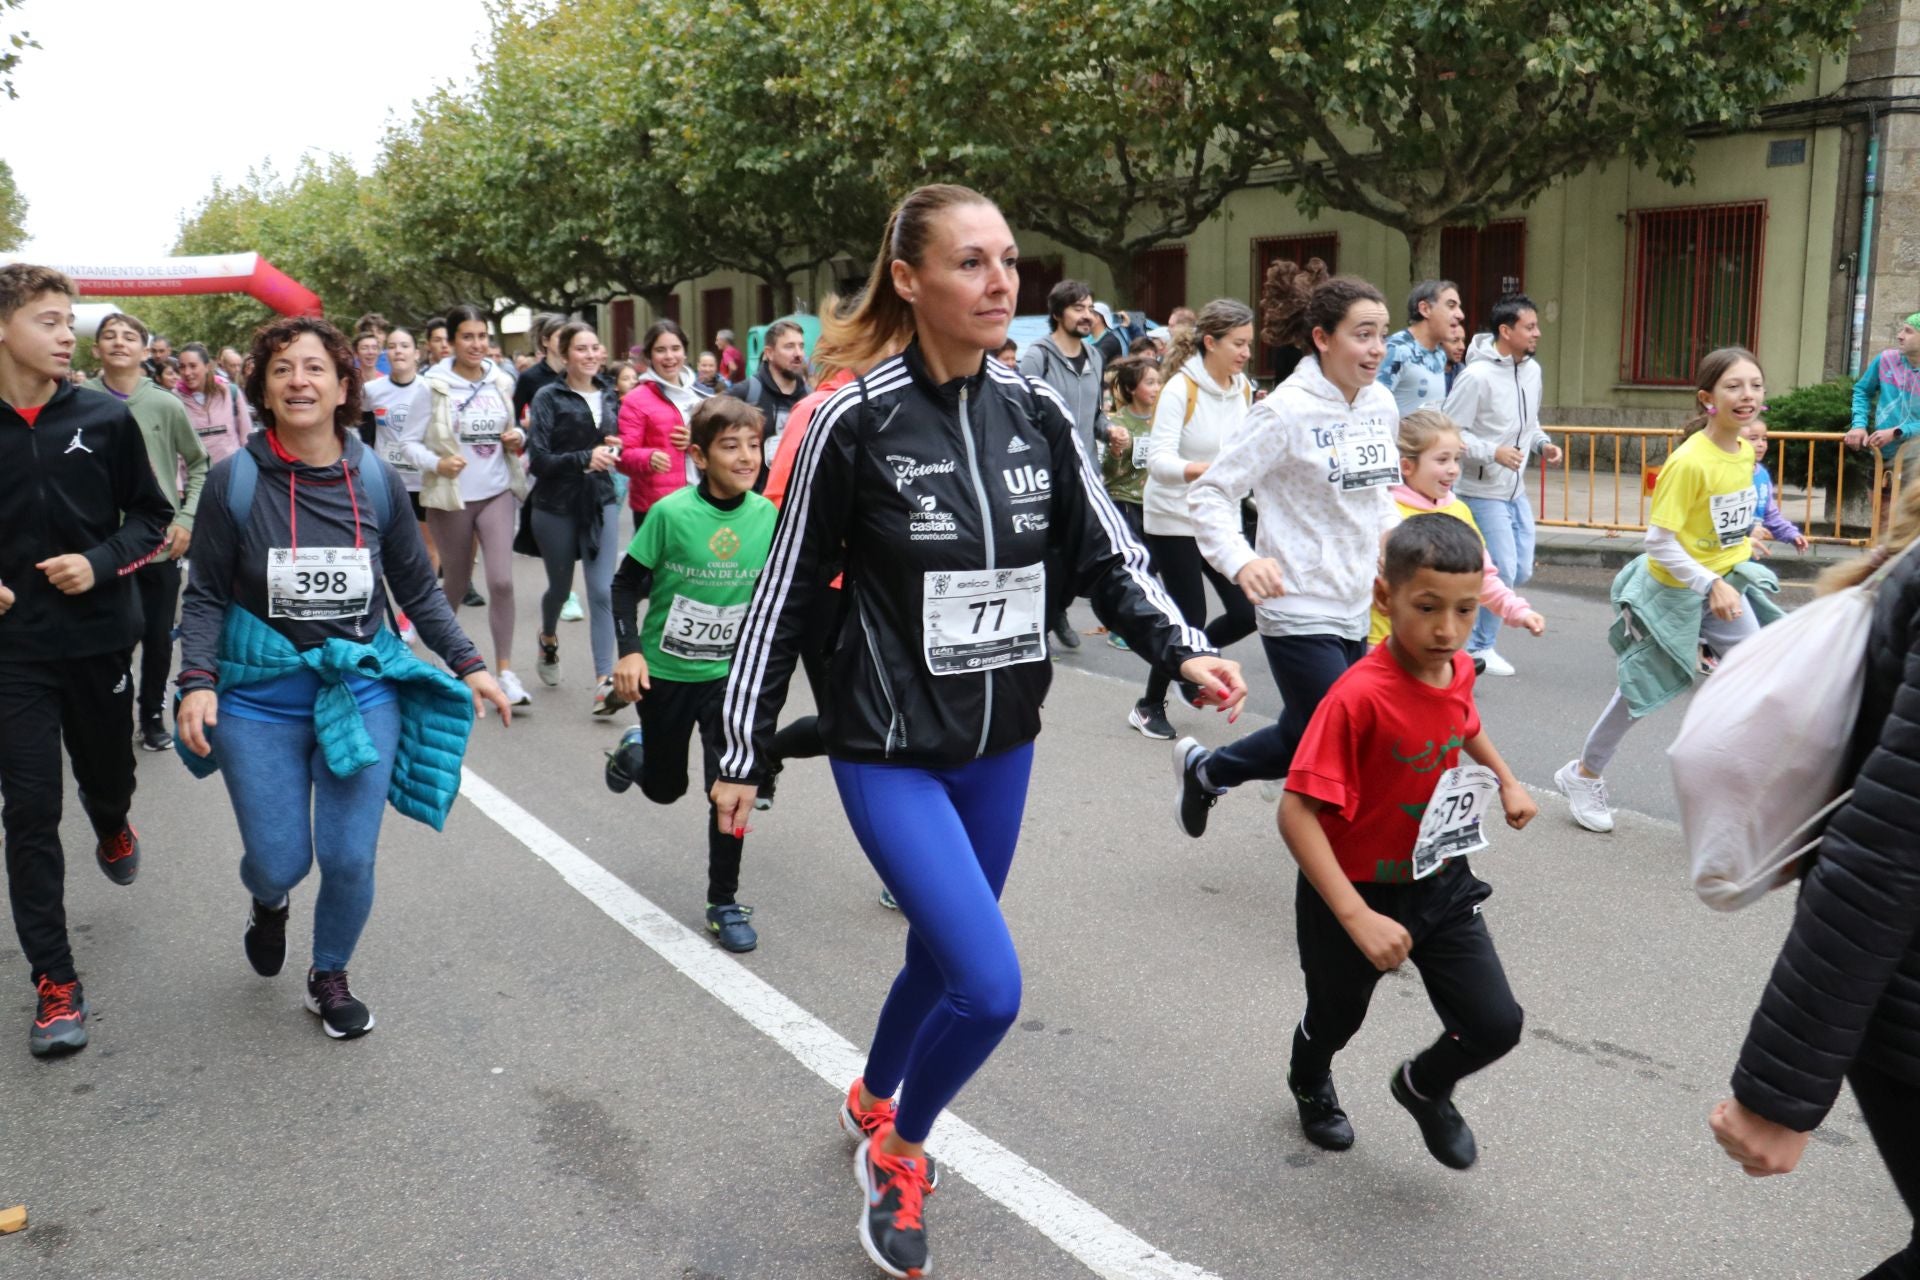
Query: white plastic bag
[1760, 761]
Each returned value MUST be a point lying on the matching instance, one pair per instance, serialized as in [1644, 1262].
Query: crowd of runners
[905, 512]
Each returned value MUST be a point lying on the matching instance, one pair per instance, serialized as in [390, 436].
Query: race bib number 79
[1454, 822]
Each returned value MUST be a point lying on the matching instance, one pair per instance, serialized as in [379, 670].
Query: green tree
[17, 43]
[13, 210]
[742, 138]
[1094, 122]
[1422, 113]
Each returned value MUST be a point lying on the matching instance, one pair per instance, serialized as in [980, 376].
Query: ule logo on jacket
[1027, 483]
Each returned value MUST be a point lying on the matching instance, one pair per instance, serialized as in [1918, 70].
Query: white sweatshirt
[1496, 403]
[1325, 539]
[1171, 447]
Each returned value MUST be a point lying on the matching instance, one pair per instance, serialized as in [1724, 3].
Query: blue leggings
[293, 810]
[941, 841]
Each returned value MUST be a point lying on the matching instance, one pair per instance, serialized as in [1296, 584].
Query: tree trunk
[1119, 264]
[1423, 254]
[782, 296]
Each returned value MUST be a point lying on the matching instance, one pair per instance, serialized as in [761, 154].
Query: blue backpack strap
[376, 488]
[240, 481]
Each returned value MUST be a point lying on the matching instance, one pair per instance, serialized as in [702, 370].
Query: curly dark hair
[270, 339]
[1295, 300]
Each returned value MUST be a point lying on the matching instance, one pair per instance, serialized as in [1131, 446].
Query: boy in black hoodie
[79, 512]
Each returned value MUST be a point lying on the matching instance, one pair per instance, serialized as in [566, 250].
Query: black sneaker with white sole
[1192, 799]
[1442, 1127]
[343, 1014]
[1321, 1117]
[154, 735]
[1150, 718]
[266, 937]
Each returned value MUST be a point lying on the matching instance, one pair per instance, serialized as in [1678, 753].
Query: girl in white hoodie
[1202, 404]
[1319, 455]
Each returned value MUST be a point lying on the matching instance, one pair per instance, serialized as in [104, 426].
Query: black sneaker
[623, 762]
[728, 926]
[473, 599]
[1150, 718]
[893, 1227]
[154, 735]
[1321, 1118]
[1479, 667]
[266, 937]
[1192, 801]
[1063, 632]
[1447, 1137]
[341, 1013]
[60, 1020]
[119, 854]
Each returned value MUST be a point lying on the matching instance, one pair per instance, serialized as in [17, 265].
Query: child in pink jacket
[653, 420]
[1430, 454]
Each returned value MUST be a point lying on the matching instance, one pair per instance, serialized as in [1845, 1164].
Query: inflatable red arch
[247, 273]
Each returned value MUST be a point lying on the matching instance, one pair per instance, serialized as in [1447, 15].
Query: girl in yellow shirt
[1704, 509]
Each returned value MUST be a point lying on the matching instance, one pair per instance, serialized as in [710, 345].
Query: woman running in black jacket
[950, 490]
[1844, 999]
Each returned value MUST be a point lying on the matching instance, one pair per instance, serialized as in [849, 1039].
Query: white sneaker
[1496, 665]
[516, 692]
[1587, 797]
[571, 610]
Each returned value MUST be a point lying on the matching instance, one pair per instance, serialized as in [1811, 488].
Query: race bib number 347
[983, 619]
[317, 583]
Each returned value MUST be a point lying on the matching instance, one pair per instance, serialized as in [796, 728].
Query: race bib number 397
[319, 583]
[983, 619]
[1368, 456]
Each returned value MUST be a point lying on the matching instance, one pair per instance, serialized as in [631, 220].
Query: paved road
[549, 1095]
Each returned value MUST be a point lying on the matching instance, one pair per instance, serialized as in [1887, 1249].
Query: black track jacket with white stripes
[905, 484]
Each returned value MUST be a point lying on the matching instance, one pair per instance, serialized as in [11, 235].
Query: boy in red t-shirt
[1376, 834]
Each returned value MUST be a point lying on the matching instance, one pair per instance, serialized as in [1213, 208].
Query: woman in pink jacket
[654, 417]
[216, 409]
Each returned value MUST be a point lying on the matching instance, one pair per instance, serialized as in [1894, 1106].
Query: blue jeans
[1507, 527]
[942, 841]
[292, 809]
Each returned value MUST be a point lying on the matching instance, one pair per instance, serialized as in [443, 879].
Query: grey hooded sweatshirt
[230, 564]
[1081, 391]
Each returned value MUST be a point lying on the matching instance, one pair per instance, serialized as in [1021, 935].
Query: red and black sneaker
[119, 854]
[869, 1123]
[60, 1023]
[893, 1227]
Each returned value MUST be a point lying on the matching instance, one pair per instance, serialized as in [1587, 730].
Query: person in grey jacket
[1496, 404]
[1067, 361]
[1844, 997]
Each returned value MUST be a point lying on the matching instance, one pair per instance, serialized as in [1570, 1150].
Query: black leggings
[670, 713]
[1453, 952]
[1186, 572]
[1892, 1110]
[158, 585]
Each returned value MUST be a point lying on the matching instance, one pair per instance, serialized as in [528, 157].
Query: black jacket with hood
[1846, 987]
[77, 482]
[899, 480]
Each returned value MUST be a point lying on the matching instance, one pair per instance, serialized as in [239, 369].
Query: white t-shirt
[596, 401]
[480, 414]
[400, 414]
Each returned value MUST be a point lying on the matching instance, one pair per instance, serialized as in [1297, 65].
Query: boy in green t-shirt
[694, 560]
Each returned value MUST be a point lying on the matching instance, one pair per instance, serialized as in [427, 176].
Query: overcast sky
[130, 110]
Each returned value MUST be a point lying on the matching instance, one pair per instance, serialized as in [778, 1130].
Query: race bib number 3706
[317, 583]
[983, 619]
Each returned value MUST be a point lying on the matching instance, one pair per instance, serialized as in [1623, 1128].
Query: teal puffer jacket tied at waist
[436, 710]
[1656, 629]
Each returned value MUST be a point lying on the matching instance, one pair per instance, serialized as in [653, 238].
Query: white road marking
[1106, 1247]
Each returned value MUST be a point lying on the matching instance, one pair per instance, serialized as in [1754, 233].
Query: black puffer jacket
[1847, 984]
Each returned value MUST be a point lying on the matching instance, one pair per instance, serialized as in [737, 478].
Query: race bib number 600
[983, 619]
[317, 583]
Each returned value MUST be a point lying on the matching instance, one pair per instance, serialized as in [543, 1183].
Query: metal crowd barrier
[1588, 490]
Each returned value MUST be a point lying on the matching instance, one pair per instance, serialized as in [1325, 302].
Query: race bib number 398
[319, 583]
[983, 619]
